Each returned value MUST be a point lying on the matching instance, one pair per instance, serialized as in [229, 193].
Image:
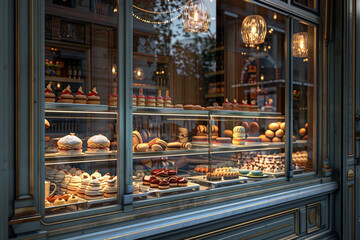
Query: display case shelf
[170, 153]
[64, 79]
[91, 108]
[55, 158]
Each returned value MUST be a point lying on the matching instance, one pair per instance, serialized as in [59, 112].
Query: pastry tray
[202, 180]
[159, 192]
[282, 174]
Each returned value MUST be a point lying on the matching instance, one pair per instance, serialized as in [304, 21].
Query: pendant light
[196, 16]
[299, 47]
[253, 29]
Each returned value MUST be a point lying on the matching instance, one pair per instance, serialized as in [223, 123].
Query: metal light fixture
[253, 29]
[139, 73]
[196, 16]
[299, 47]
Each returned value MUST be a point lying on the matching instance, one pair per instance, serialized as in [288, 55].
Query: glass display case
[210, 101]
[81, 114]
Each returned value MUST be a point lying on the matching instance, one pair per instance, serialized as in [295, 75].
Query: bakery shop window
[208, 96]
[304, 75]
[80, 106]
[311, 4]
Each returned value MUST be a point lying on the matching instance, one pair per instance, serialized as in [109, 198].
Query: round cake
[70, 144]
[224, 141]
[98, 143]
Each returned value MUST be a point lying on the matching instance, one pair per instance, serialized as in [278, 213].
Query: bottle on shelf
[52, 71]
[70, 72]
[74, 70]
[79, 71]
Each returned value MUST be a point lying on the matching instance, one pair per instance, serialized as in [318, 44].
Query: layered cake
[110, 189]
[82, 187]
[94, 190]
[159, 100]
[74, 183]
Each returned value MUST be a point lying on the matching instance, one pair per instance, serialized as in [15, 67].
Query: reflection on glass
[208, 107]
[307, 3]
[304, 96]
[80, 106]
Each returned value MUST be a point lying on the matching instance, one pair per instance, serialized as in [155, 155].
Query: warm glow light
[299, 47]
[253, 29]
[113, 69]
[196, 16]
[275, 16]
[139, 73]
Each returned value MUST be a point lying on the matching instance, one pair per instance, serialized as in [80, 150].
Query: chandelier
[299, 47]
[253, 29]
[196, 16]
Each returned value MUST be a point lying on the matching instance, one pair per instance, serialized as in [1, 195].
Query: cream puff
[80, 96]
[93, 97]
[70, 144]
[66, 95]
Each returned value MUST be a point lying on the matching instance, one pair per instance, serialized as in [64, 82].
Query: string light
[196, 16]
[156, 22]
[154, 12]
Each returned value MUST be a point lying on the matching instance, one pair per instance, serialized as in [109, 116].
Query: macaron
[238, 129]
[189, 107]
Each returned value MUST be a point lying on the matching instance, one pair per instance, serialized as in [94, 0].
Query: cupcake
[151, 101]
[49, 95]
[94, 191]
[113, 98]
[134, 99]
[110, 190]
[70, 144]
[80, 96]
[98, 143]
[140, 99]
[93, 97]
[159, 100]
[66, 95]
[167, 100]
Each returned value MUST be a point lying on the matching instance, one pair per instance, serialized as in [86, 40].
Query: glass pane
[304, 75]
[199, 70]
[80, 105]
[307, 3]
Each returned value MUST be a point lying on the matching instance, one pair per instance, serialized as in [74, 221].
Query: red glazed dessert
[227, 105]
[134, 99]
[235, 105]
[167, 100]
[162, 174]
[182, 182]
[146, 180]
[151, 101]
[154, 182]
[154, 172]
[80, 97]
[159, 100]
[49, 95]
[171, 172]
[93, 97]
[244, 106]
[66, 95]
[141, 98]
[163, 184]
[173, 182]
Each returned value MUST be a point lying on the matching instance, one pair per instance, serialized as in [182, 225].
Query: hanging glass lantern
[196, 16]
[253, 29]
[299, 47]
[139, 73]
